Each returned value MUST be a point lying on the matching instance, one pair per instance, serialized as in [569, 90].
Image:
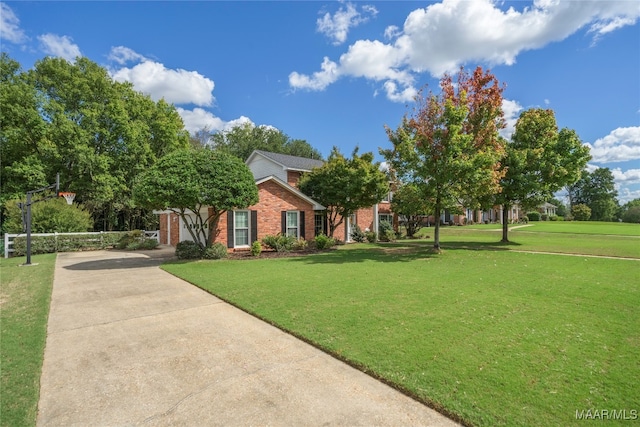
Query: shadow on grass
[405, 251]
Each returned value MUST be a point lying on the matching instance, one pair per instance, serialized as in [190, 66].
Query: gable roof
[288, 162]
[316, 206]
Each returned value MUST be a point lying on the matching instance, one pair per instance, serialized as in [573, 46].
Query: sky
[335, 73]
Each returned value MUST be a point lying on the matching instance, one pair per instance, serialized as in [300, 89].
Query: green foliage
[203, 181]
[409, 203]
[371, 236]
[533, 216]
[279, 242]
[357, 235]
[66, 243]
[596, 190]
[241, 141]
[323, 242]
[581, 212]
[387, 233]
[345, 185]
[300, 245]
[544, 217]
[215, 251]
[450, 146]
[135, 240]
[189, 250]
[632, 215]
[49, 216]
[256, 248]
[73, 118]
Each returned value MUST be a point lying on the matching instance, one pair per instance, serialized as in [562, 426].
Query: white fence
[9, 238]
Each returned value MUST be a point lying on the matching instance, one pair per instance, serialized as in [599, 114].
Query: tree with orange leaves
[449, 146]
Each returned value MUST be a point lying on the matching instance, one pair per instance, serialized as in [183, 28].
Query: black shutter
[254, 226]
[325, 224]
[230, 237]
[284, 222]
[302, 224]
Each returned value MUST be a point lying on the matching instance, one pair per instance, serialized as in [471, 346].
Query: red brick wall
[164, 237]
[173, 229]
[292, 178]
[273, 200]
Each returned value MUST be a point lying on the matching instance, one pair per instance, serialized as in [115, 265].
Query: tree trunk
[436, 233]
[505, 223]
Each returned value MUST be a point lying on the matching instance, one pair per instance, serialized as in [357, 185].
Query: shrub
[390, 235]
[215, 251]
[134, 240]
[323, 242]
[544, 217]
[357, 235]
[66, 243]
[256, 248]
[300, 245]
[188, 250]
[48, 217]
[568, 218]
[371, 236]
[533, 216]
[632, 215]
[279, 243]
[581, 212]
[385, 229]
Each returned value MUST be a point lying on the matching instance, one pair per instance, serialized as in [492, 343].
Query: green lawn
[487, 334]
[24, 298]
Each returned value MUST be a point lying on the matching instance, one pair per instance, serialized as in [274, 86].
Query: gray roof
[292, 162]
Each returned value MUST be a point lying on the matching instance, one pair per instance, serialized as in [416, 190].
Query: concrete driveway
[129, 344]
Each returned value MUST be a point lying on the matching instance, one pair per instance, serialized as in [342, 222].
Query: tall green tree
[449, 147]
[630, 211]
[72, 118]
[190, 181]
[242, 140]
[345, 185]
[539, 160]
[597, 190]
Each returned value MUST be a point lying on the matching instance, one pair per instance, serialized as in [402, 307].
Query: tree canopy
[539, 160]
[411, 206]
[597, 190]
[242, 140]
[449, 147]
[203, 182]
[73, 118]
[345, 185]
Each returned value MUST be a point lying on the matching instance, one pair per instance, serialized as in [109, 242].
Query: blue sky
[335, 73]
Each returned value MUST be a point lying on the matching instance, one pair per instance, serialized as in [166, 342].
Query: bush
[544, 217]
[581, 212]
[300, 245]
[279, 243]
[188, 250]
[215, 251]
[533, 216]
[256, 248]
[66, 243]
[134, 240]
[50, 216]
[371, 236]
[390, 235]
[357, 235]
[323, 242]
[385, 229]
[632, 215]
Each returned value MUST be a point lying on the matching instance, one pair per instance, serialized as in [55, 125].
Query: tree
[561, 209]
[581, 212]
[190, 181]
[412, 208]
[345, 185]
[630, 211]
[72, 118]
[48, 216]
[538, 161]
[597, 190]
[242, 140]
[449, 147]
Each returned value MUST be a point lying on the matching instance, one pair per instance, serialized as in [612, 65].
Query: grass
[481, 332]
[24, 299]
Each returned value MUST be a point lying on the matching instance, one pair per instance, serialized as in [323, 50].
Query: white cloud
[337, 26]
[622, 144]
[198, 119]
[175, 86]
[122, 55]
[627, 194]
[630, 176]
[10, 25]
[443, 36]
[511, 110]
[60, 46]
[393, 94]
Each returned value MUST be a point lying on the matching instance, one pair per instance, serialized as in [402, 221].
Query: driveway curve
[131, 345]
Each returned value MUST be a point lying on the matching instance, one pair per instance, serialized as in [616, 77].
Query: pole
[28, 228]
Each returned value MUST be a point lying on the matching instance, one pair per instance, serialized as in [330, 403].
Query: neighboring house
[281, 208]
[547, 209]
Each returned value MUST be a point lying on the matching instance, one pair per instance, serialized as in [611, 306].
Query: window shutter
[254, 226]
[284, 222]
[325, 225]
[302, 234]
[230, 237]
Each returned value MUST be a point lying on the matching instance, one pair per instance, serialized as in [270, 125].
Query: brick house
[281, 208]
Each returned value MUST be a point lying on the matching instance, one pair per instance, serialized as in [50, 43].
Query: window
[385, 217]
[293, 224]
[241, 228]
[318, 224]
[387, 198]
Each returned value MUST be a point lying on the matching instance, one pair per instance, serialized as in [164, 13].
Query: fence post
[55, 240]
[101, 239]
[6, 245]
